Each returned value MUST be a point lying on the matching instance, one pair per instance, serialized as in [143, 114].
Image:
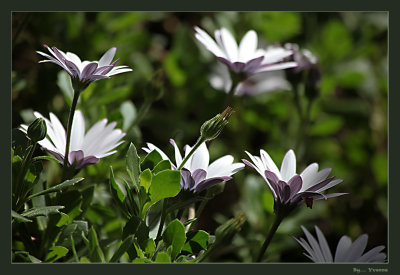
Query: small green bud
[37, 130]
[229, 228]
[213, 127]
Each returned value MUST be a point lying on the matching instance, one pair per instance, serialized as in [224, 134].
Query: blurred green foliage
[348, 130]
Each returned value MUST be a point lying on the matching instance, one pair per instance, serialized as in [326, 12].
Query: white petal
[200, 158]
[229, 44]
[329, 185]
[178, 156]
[248, 46]
[97, 140]
[276, 67]
[153, 147]
[324, 245]
[93, 134]
[220, 167]
[209, 43]
[107, 57]
[77, 132]
[308, 176]
[314, 245]
[269, 163]
[59, 133]
[288, 167]
[75, 59]
[110, 142]
[275, 54]
[115, 71]
[357, 248]
[258, 164]
[342, 248]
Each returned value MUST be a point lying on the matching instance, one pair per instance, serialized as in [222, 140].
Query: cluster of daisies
[259, 70]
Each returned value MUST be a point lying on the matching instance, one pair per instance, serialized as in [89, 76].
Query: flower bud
[213, 127]
[37, 130]
[226, 230]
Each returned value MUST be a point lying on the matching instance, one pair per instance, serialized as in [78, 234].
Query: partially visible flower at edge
[197, 174]
[85, 149]
[245, 58]
[264, 82]
[289, 188]
[85, 72]
[346, 250]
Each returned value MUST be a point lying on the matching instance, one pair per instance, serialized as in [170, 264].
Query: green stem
[231, 92]
[303, 129]
[21, 176]
[298, 103]
[277, 222]
[69, 129]
[194, 148]
[162, 219]
[73, 249]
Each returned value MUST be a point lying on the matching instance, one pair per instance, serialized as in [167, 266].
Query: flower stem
[21, 175]
[277, 222]
[69, 129]
[231, 92]
[194, 148]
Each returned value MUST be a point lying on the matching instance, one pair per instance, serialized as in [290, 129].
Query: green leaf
[84, 260]
[196, 241]
[125, 245]
[145, 179]
[151, 160]
[25, 257]
[163, 257]
[116, 190]
[133, 164]
[138, 260]
[96, 254]
[76, 229]
[47, 158]
[165, 184]
[72, 200]
[18, 217]
[161, 166]
[174, 235]
[41, 211]
[150, 247]
[56, 252]
[138, 228]
[63, 219]
[57, 187]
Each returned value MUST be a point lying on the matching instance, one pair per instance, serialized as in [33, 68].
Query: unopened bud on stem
[37, 130]
[213, 127]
